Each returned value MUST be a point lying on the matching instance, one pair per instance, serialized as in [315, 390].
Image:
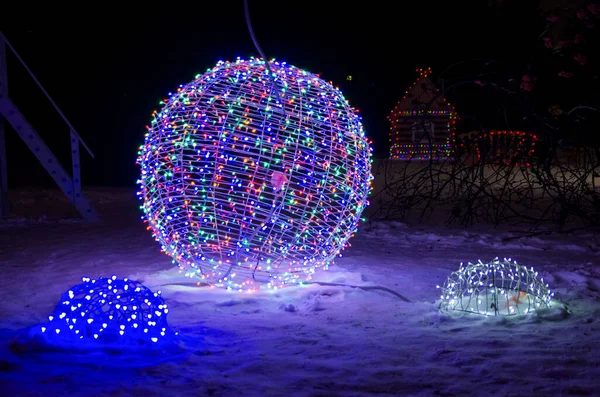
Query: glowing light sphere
[253, 177]
[495, 288]
[108, 312]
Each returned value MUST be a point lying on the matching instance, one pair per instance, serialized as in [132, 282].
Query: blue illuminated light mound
[254, 175]
[108, 312]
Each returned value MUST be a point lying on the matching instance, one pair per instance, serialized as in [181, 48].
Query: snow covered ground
[301, 341]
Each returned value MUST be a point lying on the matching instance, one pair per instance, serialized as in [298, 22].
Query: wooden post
[3, 165]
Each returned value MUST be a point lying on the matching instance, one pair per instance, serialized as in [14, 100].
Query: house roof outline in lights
[419, 96]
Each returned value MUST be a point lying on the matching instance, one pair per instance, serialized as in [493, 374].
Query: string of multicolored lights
[251, 179]
[404, 148]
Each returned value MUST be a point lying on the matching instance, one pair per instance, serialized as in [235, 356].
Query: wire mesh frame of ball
[249, 176]
[109, 311]
[495, 288]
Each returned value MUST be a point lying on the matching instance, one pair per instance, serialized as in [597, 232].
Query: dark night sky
[107, 67]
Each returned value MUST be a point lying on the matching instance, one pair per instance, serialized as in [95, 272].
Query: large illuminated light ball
[254, 176]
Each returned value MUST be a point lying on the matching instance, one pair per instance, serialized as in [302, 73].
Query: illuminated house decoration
[254, 177]
[419, 130]
[498, 147]
[495, 288]
[108, 312]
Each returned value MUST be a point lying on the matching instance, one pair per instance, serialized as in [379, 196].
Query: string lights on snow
[495, 288]
[254, 176]
[108, 312]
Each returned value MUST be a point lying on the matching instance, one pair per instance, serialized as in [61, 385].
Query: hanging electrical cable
[256, 45]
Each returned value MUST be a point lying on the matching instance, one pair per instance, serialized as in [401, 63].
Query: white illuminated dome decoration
[253, 176]
[495, 288]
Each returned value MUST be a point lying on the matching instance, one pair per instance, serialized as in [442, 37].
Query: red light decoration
[505, 147]
[419, 131]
